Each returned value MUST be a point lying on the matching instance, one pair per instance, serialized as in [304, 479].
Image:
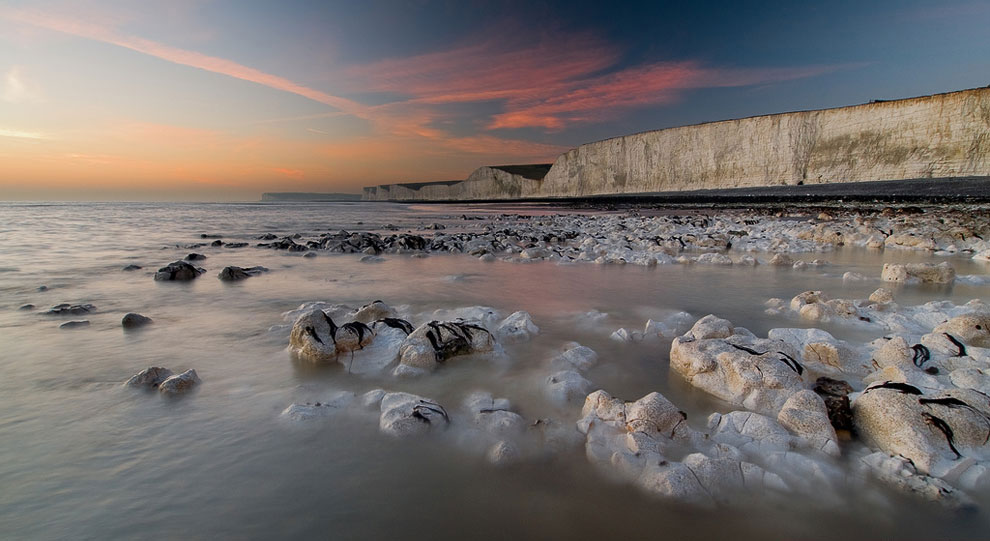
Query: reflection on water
[82, 457]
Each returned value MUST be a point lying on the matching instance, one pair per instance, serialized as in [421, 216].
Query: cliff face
[940, 136]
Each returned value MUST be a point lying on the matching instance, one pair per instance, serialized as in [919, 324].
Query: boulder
[436, 342]
[575, 357]
[178, 271]
[405, 414]
[518, 327]
[150, 377]
[132, 320]
[195, 257]
[899, 473]
[317, 338]
[74, 324]
[970, 329]
[942, 433]
[320, 409]
[232, 273]
[943, 273]
[66, 309]
[567, 386]
[374, 311]
[759, 374]
[179, 384]
[806, 415]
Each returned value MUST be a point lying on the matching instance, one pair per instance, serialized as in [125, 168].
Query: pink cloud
[552, 82]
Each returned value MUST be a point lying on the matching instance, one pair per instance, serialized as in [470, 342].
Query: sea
[84, 457]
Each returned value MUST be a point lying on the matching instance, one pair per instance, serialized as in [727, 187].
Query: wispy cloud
[554, 82]
[97, 32]
[18, 134]
[17, 89]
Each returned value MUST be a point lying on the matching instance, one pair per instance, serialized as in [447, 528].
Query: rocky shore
[796, 413]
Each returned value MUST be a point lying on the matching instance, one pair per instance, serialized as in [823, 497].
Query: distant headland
[304, 196]
[929, 140]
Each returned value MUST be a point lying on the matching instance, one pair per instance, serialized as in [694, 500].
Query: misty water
[83, 457]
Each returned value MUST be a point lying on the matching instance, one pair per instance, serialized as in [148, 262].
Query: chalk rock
[943, 273]
[941, 433]
[713, 259]
[566, 386]
[493, 415]
[759, 374]
[503, 453]
[486, 316]
[781, 260]
[382, 352]
[518, 327]
[405, 414]
[323, 408]
[882, 295]
[970, 329]
[820, 350]
[133, 321]
[578, 357]
[150, 377]
[373, 311]
[178, 271]
[631, 439]
[750, 432]
[317, 338]
[179, 384]
[805, 414]
[436, 342]
[899, 473]
[232, 273]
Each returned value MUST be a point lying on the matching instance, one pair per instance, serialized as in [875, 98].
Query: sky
[221, 100]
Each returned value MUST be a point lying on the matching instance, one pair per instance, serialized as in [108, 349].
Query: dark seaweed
[900, 387]
[944, 428]
[457, 343]
[358, 328]
[748, 350]
[921, 354]
[957, 343]
[791, 363]
[397, 323]
[312, 332]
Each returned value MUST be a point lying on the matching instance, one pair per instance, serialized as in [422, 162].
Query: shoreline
[956, 190]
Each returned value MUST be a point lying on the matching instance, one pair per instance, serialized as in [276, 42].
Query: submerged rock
[320, 409]
[943, 273]
[150, 377]
[518, 327]
[132, 320]
[179, 384]
[317, 338]
[232, 273]
[66, 309]
[178, 271]
[132, 267]
[405, 414]
[943, 434]
[74, 324]
[436, 342]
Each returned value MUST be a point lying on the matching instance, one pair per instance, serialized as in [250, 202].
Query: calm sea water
[81, 457]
